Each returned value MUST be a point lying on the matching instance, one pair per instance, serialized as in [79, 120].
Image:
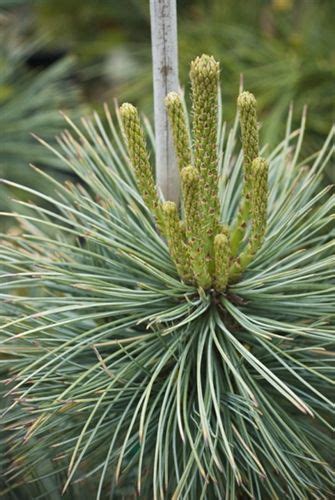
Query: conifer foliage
[181, 352]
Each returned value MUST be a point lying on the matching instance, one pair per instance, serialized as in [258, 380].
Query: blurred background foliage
[283, 49]
[30, 99]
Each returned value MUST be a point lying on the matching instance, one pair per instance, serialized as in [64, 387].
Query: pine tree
[173, 352]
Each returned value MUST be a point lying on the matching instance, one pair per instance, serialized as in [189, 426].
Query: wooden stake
[163, 14]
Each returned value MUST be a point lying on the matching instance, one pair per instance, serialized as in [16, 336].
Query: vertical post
[163, 15]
